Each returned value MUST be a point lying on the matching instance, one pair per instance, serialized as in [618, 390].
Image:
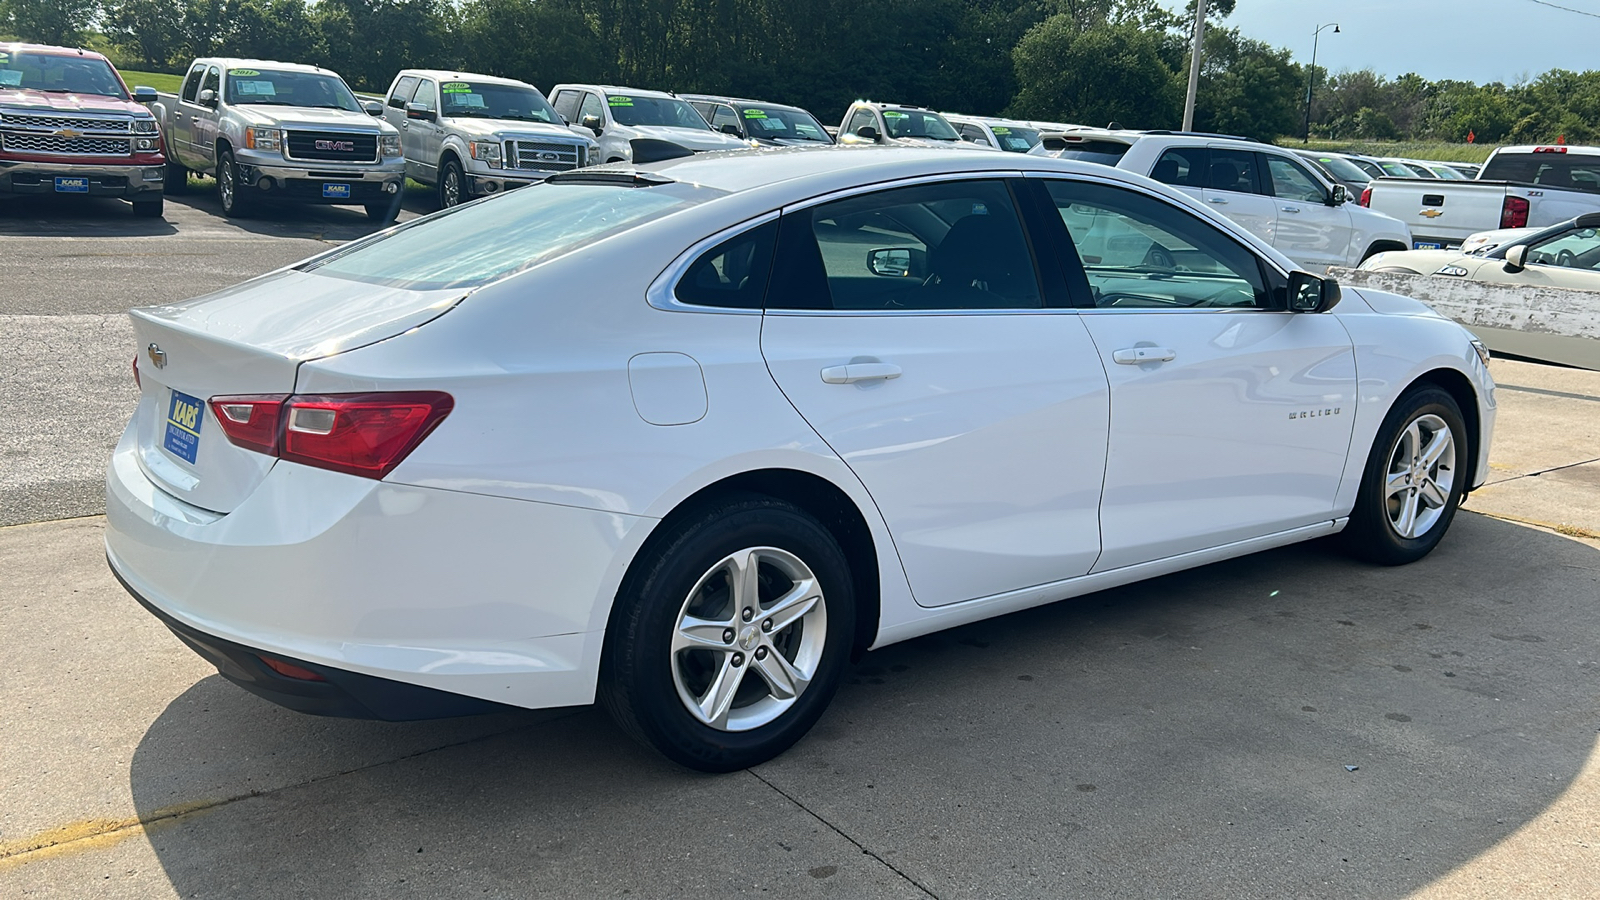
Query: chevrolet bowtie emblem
[158, 356]
[1432, 213]
[68, 133]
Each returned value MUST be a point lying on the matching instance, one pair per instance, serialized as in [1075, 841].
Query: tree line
[1087, 61]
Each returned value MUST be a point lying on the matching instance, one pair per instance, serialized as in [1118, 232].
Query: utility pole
[1194, 64]
[1311, 78]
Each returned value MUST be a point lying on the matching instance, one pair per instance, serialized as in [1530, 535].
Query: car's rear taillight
[1514, 212]
[251, 421]
[1366, 196]
[358, 434]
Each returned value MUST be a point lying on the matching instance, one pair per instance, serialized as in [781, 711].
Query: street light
[1311, 78]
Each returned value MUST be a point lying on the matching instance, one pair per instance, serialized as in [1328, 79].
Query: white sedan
[693, 436]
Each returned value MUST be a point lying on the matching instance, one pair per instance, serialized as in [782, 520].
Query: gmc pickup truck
[68, 125]
[1519, 187]
[270, 129]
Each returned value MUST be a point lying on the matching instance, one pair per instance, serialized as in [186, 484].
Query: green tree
[368, 41]
[149, 28]
[1097, 75]
[1246, 87]
[59, 22]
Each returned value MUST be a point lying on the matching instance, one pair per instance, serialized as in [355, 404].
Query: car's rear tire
[146, 208]
[1413, 481]
[452, 184]
[235, 196]
[730, 637]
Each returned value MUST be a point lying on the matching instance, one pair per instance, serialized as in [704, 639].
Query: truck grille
[544, 156]
[51, 123]
[333, 146]
[81, 146]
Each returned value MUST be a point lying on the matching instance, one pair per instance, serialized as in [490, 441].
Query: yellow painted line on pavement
[91, 834]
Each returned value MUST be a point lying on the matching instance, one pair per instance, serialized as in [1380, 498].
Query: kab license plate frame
[335, 190]
[72, 184]
[185, 416]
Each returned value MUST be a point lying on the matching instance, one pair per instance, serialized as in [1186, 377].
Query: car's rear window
[482, 242]
[1577, 172]
[1104, 152]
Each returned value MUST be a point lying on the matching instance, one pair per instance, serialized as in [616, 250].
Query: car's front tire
[452, 184]
[232, 193]
[1413, 481]
[730, 638]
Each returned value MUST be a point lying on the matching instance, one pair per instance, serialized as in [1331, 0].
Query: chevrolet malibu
[689, 437]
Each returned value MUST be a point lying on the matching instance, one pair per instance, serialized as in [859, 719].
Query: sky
[1466, 40]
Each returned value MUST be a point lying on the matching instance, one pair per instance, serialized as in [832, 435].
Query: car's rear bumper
[368, 582]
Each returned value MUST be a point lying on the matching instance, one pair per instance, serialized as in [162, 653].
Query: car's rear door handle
[854, 372]
[1133, 356]
[1293, 209]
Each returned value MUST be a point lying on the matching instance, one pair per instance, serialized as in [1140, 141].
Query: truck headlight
[147, 144]
[487, 152]
[268, 139]
[390, 144]
[144, 126]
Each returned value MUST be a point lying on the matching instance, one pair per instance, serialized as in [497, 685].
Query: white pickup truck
[1519, 187]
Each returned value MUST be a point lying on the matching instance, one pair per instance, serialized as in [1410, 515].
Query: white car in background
[637, 125]
[1002, 134]
[691, 436]
[893, 124]
[1270, 191]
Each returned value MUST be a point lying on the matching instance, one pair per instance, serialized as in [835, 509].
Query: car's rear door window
[1233, 170]
[1183, 167]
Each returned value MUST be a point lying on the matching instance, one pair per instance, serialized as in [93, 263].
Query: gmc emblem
[345, 146]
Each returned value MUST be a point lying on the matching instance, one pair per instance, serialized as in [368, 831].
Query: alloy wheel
[1419, 477]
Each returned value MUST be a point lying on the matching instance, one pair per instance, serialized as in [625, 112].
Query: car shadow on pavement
[51, 216]
[275, 218]
[1290, 724]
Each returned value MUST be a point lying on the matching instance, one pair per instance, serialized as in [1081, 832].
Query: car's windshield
[916, 123]
[775, 123]
[1446, 173]
[1015, 138]
[1343, 169]
[667, 111]
[265, 87]
[482, 242]
[1400, 170]
[483, 100]
[60, 74]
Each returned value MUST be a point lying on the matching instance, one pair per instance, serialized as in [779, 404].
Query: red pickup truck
[68, 125]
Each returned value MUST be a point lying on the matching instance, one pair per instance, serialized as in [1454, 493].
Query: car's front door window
[1574, 250]
[1142, 253]
[591, 107]
[1290, 182]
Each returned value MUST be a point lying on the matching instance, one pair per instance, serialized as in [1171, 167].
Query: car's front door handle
[854, 372]
[1220, 201]
[1293, 209]
[1133, 356]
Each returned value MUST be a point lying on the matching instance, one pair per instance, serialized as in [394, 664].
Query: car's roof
[719, 98]
[49, 50]
[446, 74]
[879, 104]
[615, 89]
[1549, 148]
[236, 62]
[986, 120]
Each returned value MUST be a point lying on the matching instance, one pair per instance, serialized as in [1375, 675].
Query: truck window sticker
[616, 100]
[255, 88]
[891, 114]
[755, 114]
[244, 73]
[456, 87]
[459, 99]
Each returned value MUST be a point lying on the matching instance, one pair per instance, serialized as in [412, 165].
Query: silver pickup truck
[474, 135]
[1519, 187]
[269, 129]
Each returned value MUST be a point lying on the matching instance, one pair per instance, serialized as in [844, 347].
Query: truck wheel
[452, 185]
[149, 209]
[177, 180]
[229, 190]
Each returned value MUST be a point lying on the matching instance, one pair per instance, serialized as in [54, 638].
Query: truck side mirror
[730, 128]
[1340, 196]
[419, 111]
[208, 97]
[144, 94]
[593, 123]
[867, 132]
[1517, 258]
[373, 107]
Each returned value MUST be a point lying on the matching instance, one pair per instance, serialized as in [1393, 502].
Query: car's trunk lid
[248, 340]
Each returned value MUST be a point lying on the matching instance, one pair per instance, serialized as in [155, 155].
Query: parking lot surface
[1291, 724]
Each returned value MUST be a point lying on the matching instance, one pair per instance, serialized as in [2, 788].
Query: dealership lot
[1189, 736]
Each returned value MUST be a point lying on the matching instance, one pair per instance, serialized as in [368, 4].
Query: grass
[1439, 151]
[168, 84]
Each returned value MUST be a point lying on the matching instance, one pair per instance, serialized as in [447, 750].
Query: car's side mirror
[208, 97]
[419, 111]
[1340, 196]
[373, 107]
[1310, 294]
[144, 94]
[1517, 258]
[867, 132]
[891, 262]
[593, 123]
[730, 128]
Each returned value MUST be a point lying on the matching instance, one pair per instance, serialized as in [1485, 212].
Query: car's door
[908, 326]
[427, 136]
[1310, 232]
[394, 105]
[1234, 187]
[181, 121]
[1230, 417]
[204, 121]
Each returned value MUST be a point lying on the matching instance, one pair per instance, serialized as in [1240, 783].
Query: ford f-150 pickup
[269, 129]
[68, 125]
[1519, 187]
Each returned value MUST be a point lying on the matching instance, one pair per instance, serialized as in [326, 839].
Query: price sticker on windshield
[456, 87]
[891, 114]
[244, 73]
[755, 114]
[620, 101]
[185, 414]
[1000, 130]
